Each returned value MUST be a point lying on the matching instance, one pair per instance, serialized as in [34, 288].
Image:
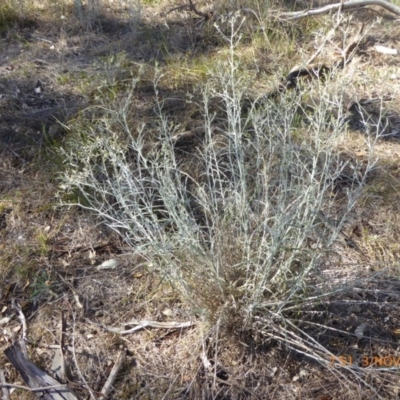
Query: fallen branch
[349, 5]
[35, 378]
[145, 324]
[113, 375]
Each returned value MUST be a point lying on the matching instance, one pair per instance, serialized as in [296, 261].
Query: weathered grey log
[348, 5]
[44, 385]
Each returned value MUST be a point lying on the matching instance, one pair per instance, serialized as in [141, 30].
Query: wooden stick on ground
[113, 375]
[141, 324]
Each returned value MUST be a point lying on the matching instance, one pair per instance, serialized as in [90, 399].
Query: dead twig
[145, 324]
[113, 375]
[77, 364]
[58, 366]
[4, 386]
[33, 390]
[22, 318]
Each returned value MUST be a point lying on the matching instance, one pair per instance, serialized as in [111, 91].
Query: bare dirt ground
[53, 68]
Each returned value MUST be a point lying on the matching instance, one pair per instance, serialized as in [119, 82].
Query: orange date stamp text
[366, 361]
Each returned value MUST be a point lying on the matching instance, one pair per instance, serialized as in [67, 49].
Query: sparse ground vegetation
[207, 192]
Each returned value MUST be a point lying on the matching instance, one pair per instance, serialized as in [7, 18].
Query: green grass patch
[8, 17]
